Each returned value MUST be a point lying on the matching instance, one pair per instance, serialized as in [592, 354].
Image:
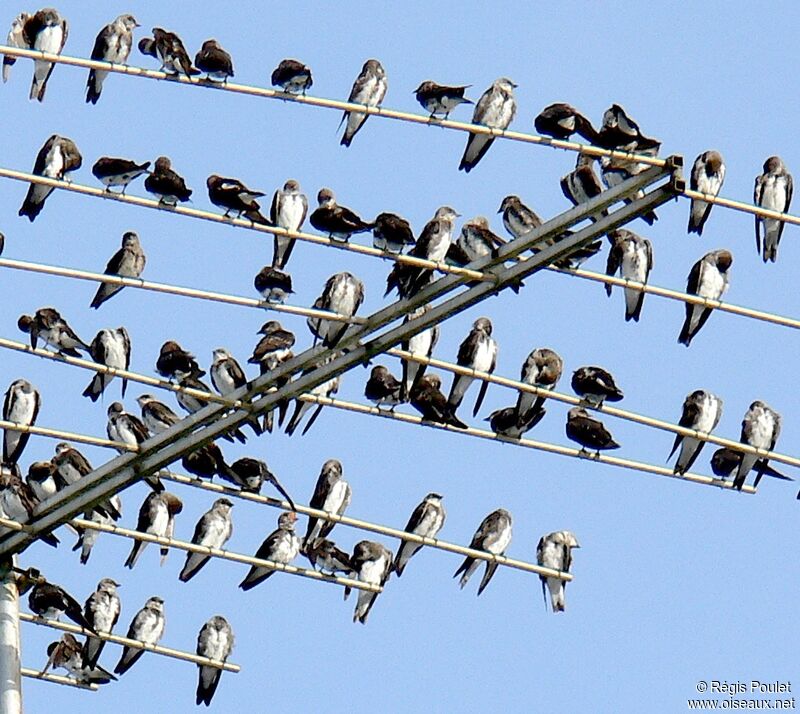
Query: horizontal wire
[366, 525]
[133, 644]
[338, 105]
[172, 289]
[65, 435]
[56, 679]
[741, 206]
[528, 443]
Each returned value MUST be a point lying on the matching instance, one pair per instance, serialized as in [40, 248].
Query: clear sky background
[674, 582]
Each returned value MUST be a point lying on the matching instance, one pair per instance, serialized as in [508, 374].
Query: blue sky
[674, 582]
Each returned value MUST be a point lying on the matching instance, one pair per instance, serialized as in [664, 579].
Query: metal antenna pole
[10, 674]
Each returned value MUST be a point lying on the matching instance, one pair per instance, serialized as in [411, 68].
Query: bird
[165, 183]
[175, 362]
[48, 324]
[561, 121]
[281, 546]
[41, 480]
[478, 352]
[555, 551]
[156, 517]
[632, 256]
[169, 49]
[324, 555]
[232, 195]
[325, 389]
[113, 44]
[51, 601]
[369, 89]
[66, 654]
[213, 530]
[725, 462]
[773, 191]
[127, 262]
[440, 99]
[615, 170]
[426, 520]
[127, 428]
[292, 76]
[595, 385]
[343, 294]
[708, 175]
[427, 398]
[112, 171]
[44, 31]
[495, 109]
[16, 39]
[518, 219]
[477, 240]
[339, 222]
[331, 494]
[227, 376]
[250, 474]
[146, 627]
[88, 537]
[273, 284]
[582, 184]
[214, 61]
[701, 412]
[215, 641]
[156, 415]
[372, 564]
[391, 233]
[206, 461]
[18, 500]
[112, 348]
[383, 387]
[421, 344]
[620, 131]
[21, 406]
[708, 278]
[288, 211]
[512, 423]
[761, 428]
[55, 160]
[588, 431]
[193, 403]
[70, 466]
[493, 536]
[542, 368]
[274, 347]
[101, 611]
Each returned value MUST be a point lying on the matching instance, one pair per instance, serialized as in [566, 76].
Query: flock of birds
[343, 294]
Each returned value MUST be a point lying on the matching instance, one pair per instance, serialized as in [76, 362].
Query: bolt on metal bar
[366, 525]
[57, 679]
[134, 644]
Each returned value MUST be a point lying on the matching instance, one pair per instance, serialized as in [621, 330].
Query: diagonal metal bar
[353, 349]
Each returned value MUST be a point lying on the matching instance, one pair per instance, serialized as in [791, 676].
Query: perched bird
[701, 412]
[16, 39]
[41, 480]
[369, 89]
[128, 429]
[725, 462]
[111, 171]
[214, 61]
[615, 170]
[215, 641]
[337, 221]
[70, 466]
[48, 324]
[288, 211]
[343, 294]
[708, 175]
[383, 388]
[426, 520]
[620, 131]
[113, 44]
[173, 361]
[332, 495]
[325, 389]
[281, 546]
[274, 347]
[111, 348]
[227, 376]
[440, 99]
[496, 109]
[427, 398]
[582, 184]
[21, 406]
[292, 76]
[127, 262]
[493, 536]
[518, 219]
[595, 385]
[193, 403]
[773, 191]
[88, 537]
[273, 284]
[761, 428]
[213, 530]
[632, 256]
[561, 121]
[51, 601]
[18, 500]
[45, 31]
[156, 517]
[156, 415]
[66, 654]
[147, 627]
[421, 344]
[708, 278]
[478, 352]
[325, 556]
[392, 233]
[206, 462]
[555, 551]
[512, 423]
[169, 49]
[232, 195]
[250, 474]
[101, 611]
[165, 183]
[588, 431]
[372, 564]
[55, 160]
[542, 369]
[477, 240]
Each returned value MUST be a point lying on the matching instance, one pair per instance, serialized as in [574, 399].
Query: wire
[57, 679]
[65, 436]
[741, 206]
[134, 644]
